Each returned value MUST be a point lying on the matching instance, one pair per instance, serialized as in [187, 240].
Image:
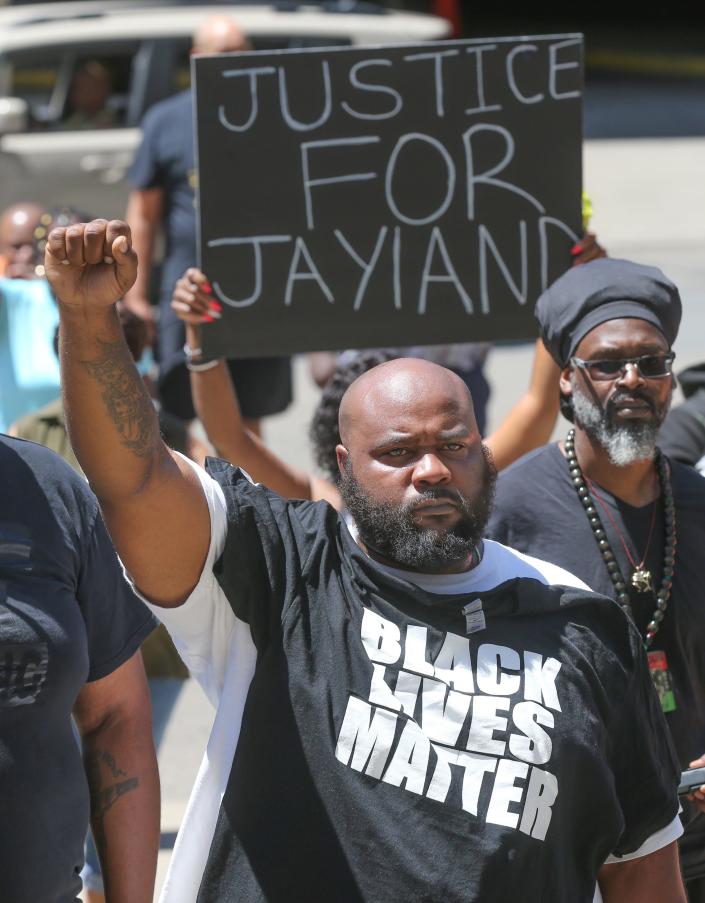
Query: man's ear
[564, 380]
[342, 455]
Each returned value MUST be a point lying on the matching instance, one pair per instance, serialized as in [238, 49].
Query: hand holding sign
[587, 249]
[192, 300]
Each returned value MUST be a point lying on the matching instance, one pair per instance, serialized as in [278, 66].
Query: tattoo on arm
[104, 794]
[125, 398]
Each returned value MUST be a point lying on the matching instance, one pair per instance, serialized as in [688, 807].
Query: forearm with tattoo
[125, 397]
[105, 793]
[151, 501]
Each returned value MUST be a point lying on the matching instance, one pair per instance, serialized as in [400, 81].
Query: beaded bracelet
[191, 353]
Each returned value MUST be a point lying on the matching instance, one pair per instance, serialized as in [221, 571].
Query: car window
[74, 88]
[33, 76]
[182, 67]
[69, 89]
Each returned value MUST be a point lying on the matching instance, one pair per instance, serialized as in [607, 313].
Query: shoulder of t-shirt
[49, 469]
[682, 435]
[280, 527]
[518, 486]
[72, 503]
[539, 460]
[691, 407]
[544, 588]
[159, 114]
[238, 486]
[688, 487]
[511, 564]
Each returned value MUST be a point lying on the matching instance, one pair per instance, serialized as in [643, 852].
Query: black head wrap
[603, 290]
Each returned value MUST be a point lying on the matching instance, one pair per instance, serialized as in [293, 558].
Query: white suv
[49, 155]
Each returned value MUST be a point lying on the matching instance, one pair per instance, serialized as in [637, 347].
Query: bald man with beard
[403, 710]
[17, 251]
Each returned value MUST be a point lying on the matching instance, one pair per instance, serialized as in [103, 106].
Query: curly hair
[323, 432]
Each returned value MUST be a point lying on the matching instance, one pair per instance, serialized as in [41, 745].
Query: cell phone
[691, 779]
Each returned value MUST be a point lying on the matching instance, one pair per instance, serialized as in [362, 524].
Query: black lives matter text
[470, 730]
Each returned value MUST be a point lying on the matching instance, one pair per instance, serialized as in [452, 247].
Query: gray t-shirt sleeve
[116, 620]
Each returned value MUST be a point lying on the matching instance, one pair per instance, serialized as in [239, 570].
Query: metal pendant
[641, 581]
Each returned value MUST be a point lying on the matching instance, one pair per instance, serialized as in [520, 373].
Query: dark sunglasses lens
[604, 369]
[654, 365]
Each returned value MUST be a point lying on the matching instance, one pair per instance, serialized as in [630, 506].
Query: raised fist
[90, 264]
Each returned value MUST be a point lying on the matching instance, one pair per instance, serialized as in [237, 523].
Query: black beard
[390, 531]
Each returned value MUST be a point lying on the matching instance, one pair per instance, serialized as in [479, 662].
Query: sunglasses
[649, 366]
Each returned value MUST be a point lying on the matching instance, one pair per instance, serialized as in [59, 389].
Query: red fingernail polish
[207, 287]
[576, 249]
[215, 306]
[208, 319]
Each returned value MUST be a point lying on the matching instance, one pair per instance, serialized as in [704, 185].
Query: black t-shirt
[67, 616]
[385, 754]
[537, 511]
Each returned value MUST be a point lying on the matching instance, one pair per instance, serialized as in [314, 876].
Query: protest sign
[405, 195]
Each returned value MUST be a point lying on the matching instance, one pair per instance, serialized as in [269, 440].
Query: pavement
[649, 203]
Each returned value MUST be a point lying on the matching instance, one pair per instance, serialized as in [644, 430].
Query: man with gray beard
[606, 505]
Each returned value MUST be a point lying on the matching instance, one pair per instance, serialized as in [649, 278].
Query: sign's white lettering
[394, 195]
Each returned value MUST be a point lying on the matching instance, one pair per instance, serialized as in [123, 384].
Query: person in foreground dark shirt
[70, 630]
[404, 710]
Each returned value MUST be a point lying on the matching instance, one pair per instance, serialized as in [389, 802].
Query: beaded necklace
[669, 555]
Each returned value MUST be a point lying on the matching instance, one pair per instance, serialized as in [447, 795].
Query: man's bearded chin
[625, 443]
[390, 531]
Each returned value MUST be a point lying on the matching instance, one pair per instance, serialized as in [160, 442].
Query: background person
[17, 252]
[605, 503]
[163, 180]
[29, 370]
[682, 435]
[91, 87]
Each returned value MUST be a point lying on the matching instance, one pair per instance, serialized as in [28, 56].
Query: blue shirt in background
[29, 368]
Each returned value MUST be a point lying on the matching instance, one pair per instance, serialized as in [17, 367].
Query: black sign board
[405, 195]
